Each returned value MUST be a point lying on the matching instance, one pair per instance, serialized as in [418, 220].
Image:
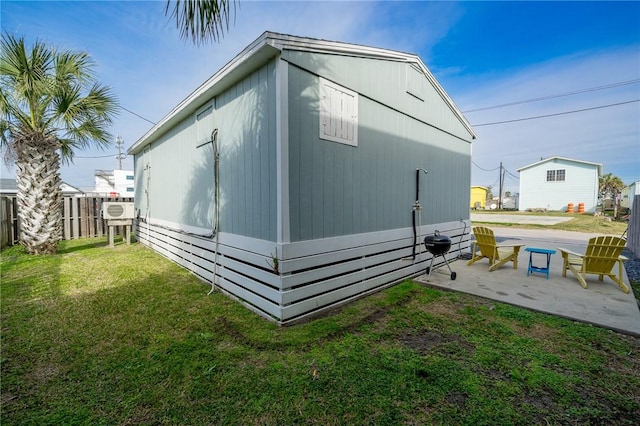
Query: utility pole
[501, 187]
[121, 155]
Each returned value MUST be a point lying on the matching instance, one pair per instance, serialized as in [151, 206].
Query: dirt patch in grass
[421, 342]
[427, 341]
[457, 398]
[223, 325]
[141, 416]
[441, 308]
[370, 313]
[41, 374]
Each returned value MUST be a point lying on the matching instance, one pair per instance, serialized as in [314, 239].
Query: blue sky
[484, 54]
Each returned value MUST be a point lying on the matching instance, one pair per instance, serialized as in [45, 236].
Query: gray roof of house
[8, 185]
[571, 160]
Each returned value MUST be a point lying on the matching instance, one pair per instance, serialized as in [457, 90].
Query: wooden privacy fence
[8, 221]
[81, 218]
[633, 231]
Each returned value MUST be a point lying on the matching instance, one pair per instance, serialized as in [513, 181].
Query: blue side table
[532, 269]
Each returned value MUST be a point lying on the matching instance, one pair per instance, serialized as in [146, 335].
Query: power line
[555, 114]
[512, 175]
[486, 170]
[99, 156]
[138, 115]
[558, 95]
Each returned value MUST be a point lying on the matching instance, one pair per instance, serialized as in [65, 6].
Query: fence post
[66, 218]
[633, 230]
[75, 218]
[10, 222]
[90, 209]
[83, 217]
[97, 202]
[5, 225]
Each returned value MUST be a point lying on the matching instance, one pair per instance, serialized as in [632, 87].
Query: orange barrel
[580, 207]
[570, 208]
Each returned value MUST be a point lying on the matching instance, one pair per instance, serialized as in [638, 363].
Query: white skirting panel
[311, 276]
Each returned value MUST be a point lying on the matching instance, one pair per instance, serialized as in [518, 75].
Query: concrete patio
[602, 303]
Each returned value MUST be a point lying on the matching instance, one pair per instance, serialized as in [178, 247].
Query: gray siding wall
[140, 175]
[398, 85]
[336, 189]
[246, 116]
[181, 183]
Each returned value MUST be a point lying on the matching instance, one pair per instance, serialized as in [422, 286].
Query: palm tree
[201, 20]
[50, 106]
[610, 185]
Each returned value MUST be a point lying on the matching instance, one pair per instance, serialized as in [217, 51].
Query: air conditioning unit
[118, 210]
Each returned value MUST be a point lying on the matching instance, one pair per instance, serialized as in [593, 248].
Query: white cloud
[610, 136]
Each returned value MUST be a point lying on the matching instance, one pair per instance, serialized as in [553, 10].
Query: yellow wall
[478, 194]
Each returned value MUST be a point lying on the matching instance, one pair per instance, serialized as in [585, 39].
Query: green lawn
[579, 222]
[97, 335]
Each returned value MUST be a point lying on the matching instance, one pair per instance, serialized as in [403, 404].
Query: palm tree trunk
[39, 197]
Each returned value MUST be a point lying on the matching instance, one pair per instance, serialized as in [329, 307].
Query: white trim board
[335, 271]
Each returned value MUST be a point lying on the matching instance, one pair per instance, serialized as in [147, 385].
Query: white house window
[556, 175]
[338, 113]
[129, 177]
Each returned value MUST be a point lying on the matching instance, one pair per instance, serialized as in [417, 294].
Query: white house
[70, 190]
[628, 193]
[115, 183]
[553, 183]
[9, 187]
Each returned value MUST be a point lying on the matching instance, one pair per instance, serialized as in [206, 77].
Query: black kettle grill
[438, 245]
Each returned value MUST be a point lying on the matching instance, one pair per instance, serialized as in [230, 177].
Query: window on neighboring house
[556, 175]
[130, 189]
[338, 113]
[129, 177]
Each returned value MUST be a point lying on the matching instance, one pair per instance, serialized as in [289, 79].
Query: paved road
[517, 218]
[549, 238]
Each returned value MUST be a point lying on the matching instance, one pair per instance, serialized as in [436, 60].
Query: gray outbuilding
[294, 178]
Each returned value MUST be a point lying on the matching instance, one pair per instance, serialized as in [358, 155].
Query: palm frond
[202, 20]
[50, 96]
[73, 67]
[22, 71]
[67, 147]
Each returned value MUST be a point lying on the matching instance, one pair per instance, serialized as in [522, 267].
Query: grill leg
[430, 268]
[451, 273]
